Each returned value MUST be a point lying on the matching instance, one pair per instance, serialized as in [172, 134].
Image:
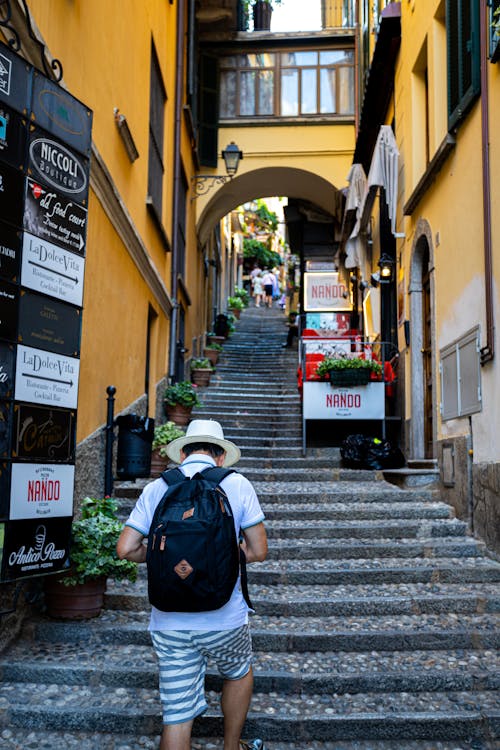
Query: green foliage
[164, 434]
[235, 303]
[259, 252]
[201, 363]
[266, 217]
[214, 346]
[495, 23]
[242, 294]
[93, 544]
[346, 363]
[183, 393]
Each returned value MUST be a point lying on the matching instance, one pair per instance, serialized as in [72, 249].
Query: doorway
[423, 396]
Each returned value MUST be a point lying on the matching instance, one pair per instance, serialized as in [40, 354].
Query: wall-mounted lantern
[202, 183]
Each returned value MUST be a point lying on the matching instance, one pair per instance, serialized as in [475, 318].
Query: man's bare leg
[176, 736]
[235, 702]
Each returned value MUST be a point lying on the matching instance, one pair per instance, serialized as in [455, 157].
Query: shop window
[461, 377]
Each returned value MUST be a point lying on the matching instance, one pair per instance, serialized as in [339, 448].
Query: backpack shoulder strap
[216, 474]
[173, 476]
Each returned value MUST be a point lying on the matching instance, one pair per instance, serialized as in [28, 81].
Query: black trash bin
[135, 436]
[221, 326]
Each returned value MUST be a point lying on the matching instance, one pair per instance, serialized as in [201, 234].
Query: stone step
[360, 530]
[353, 511]
[363, 571]
[310, 549]
[64, 740]
[281, 716]
[302, 672]
[346, 600]
[305, 633]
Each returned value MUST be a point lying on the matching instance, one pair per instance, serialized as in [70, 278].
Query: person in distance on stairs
[185, 640]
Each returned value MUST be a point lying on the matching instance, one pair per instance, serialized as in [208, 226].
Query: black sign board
[57, 166]
[7, 364]
[9, 298]
[5, 467]
[52, 217]
[13, 137]
[15, 80]
[42, 434]
[55, 110]
[11, 195]
[10, 252]
[48, 324]
[5, 427]
[34, 547]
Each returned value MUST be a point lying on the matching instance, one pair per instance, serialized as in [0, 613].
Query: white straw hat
[204, 431]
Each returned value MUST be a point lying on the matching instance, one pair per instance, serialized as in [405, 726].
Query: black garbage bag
[363, 452]
[381, 454]
[353, 451]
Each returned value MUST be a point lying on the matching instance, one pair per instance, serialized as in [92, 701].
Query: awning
[383, 173]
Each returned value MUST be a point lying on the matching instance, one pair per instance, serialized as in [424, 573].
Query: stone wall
[486, 504]
[473, 490]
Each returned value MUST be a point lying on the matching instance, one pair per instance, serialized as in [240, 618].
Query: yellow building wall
[453, 208]
[105, 50]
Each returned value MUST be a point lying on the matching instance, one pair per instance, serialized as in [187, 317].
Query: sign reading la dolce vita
[41, 490]
[324, 291]
[46, 378]
[51, 270]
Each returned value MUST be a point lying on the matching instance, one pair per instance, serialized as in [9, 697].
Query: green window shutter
[209, 110]
[464, 85]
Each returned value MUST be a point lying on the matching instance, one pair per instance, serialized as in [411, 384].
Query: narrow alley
[376, 624]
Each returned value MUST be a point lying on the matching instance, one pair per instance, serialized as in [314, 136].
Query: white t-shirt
[246, 512]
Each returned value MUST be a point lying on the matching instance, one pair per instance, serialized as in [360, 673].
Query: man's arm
[254, 543]
[130, 545]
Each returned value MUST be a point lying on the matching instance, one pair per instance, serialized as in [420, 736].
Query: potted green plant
[236, 305]
[213, 338]
[348, 371]
[201, 370]
[79, 592]
[212, 352]
[179, 400]
[242, 294]
[163, 435]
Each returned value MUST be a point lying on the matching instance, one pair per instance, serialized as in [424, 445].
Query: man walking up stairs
[376, 623]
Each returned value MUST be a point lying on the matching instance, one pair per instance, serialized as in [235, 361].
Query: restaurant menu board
[45, 146]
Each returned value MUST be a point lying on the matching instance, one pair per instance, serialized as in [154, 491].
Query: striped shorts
[183, 657]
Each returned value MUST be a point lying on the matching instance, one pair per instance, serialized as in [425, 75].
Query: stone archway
[422, 334]
[267, 181]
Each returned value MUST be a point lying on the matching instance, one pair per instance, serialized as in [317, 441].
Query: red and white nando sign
[324, 291]
[321, 401]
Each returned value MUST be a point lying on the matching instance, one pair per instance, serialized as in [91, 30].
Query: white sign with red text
[322, 401]
[41, 491]
[325, 291]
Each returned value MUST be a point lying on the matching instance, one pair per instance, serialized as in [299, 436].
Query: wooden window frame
[277, 69]
[459, 14]
[157, 103]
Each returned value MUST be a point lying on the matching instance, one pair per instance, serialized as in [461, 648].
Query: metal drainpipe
[179, 79]
[488, 351]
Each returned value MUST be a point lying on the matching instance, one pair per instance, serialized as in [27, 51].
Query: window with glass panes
[299, 83]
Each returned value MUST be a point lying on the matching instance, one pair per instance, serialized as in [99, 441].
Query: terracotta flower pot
[178, 414]
[158, 463]
[216, 339]
[212, 355]
[201, 377]
[236, 312]
[79, 602]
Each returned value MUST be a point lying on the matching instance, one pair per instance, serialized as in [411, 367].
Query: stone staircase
[376, 623]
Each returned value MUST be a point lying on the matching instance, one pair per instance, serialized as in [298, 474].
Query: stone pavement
[376, 623]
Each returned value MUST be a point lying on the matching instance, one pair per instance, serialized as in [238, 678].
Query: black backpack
[193, 555]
